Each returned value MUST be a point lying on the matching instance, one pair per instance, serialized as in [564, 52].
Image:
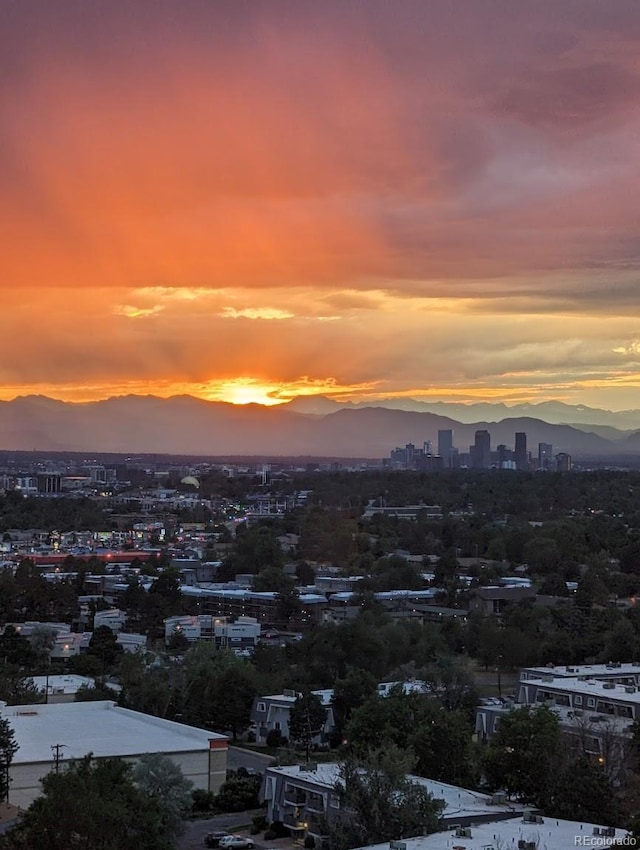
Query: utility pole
[57, 754]
[308, 735]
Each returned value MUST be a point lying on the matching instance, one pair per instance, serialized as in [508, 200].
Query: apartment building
[242, 634]
[272, 714]
[305, 797]
[595, 704]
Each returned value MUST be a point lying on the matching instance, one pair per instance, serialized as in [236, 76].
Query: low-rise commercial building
[49, 736]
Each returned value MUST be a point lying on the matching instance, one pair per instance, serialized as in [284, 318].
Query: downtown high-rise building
[545, 456]
[480, 451]
[445, 447]
[521, 456]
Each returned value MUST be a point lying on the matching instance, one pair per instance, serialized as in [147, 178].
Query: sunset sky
[250, 201]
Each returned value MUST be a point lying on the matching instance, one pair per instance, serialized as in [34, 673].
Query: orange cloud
[341, 198]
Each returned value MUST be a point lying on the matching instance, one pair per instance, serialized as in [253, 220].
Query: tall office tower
[427, 447]
[503, 455]
[481, 452]
[545, 455]
[521, 456]
[445, 446]
[563, 462]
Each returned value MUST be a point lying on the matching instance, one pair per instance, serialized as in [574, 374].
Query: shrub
[275, 738]
[279, 829]
[239, 794]
[258, 824]
[203, 801]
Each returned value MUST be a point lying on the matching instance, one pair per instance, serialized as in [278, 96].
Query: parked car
[236, 842]
[247, 771]
[212, 839]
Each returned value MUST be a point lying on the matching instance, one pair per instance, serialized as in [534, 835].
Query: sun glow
[245, 391]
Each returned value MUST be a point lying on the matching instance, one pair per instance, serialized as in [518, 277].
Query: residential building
[304, 798]
[493, 600]
[50, 736]
[241, 634]
[113, 618]
[595, 704]
[404, 511]
[225, 601]
[69, 645]
[272, 714]
[131, 642]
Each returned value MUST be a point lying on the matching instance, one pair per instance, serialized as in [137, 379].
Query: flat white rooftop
[63, 684]
[101, 728]
[69, 684]
[572, 719]
[612, 670]
[591, 688]
[459, 802]
[552, 834]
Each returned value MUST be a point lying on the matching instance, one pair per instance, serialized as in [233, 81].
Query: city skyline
[251, 202]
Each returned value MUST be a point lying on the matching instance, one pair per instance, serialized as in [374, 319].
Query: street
[197, 829]
[238, 757]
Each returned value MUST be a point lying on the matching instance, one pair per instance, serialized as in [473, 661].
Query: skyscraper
[521, 455]
[563, 462]
[545, 455]
[445, 445]
[481, 450]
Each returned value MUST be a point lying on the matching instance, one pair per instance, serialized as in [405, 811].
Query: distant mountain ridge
[554, 412]
[187, 425]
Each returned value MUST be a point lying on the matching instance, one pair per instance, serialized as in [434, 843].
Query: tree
[104, 645]
[16, 650]
[452, 683]
[272, 579]
[350, 692]
[585, 794]
[379, 802]
[288, 606]
[147, 686]
[236, 689]
[8, 749]
[218, 690]
[525, 755]
[239, 793]
[99, 690]
[42, 640]
[439, 738]
[306, 720]
[91, 805]
[161, 779]
[16, 688]
[167, 589]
